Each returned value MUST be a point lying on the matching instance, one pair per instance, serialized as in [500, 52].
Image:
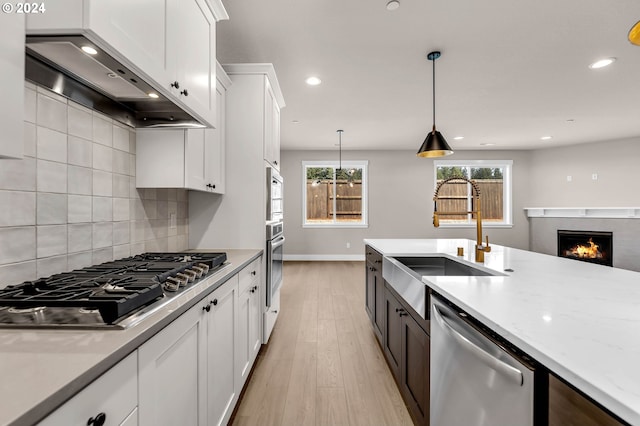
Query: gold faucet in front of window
[481, 248]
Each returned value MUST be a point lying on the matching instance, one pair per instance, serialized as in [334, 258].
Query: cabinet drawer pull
[206, 308]
[97, 420]
[184, 92]
[214, 302]
[175, 84]
[253, 273]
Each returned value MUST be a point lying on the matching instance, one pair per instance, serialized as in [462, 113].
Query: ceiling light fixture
[393, 5]
[546, 138]
[458, 138]
[602, 63]
[434, 144]
[90, 50]
[313, 81]
[487, 144]
[153, 95]
[634, 34]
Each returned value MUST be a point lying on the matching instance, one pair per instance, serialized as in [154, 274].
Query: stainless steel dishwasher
[475, 382]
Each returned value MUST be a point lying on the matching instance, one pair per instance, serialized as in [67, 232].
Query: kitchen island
[580, 321]
[42, 369]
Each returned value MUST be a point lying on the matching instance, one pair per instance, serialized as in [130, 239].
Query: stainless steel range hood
[99, 82]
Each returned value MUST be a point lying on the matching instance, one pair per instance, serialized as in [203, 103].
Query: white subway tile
[51, 265]
[102, 183]
[162, 194]
[102, 209]
[172, 243]
[102, 131]
[29, 139]
[132, 141]
[51, 145]
[120, 209]
[150, 209]
[102, 234]
[79, 180]
[17, 208]
[52, 240]
[183, 210]
[52, 209]
[51, 94]
[183, 195]
[136, 209]
[102, 157]
[132, 164]
[30, 105]
[121, 251]
[120, 186]
[137, 248]
[102, 255]
[137, 231]
[79, 260]
[51, 113]
[121, 232]
[172, 194]
[80, 237]
[80, 122]
[18, 175]
[120, 138]
[163, 210]
[18, 244]
[120, 162]
[51, 176]
[79, 151]
[17, 273]
[79, 208]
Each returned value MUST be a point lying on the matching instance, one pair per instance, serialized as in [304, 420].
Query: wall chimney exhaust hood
[100, 82]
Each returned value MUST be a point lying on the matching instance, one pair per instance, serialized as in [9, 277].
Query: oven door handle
[277, 242]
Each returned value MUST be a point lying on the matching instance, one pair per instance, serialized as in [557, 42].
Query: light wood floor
[322, 365]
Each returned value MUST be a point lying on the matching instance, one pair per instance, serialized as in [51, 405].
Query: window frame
[507, 193]
[359, 164]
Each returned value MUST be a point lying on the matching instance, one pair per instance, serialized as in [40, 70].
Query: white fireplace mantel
[585, 212]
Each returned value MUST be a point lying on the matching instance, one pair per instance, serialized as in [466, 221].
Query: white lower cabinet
[172, 373]
[249, 328]
[112, 397]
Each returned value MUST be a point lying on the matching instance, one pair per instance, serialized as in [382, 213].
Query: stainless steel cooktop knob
[199, 271]
[184, 277]
[204, 267]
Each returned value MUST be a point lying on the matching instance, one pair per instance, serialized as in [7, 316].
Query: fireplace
[587, 246]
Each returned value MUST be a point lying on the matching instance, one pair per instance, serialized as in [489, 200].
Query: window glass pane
[490, 181]
[348, 195]
[319, 187]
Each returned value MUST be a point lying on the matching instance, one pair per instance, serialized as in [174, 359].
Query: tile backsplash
[72, 201]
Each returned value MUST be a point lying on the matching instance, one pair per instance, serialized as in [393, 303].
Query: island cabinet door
[393, 313]
[172, 373]
[370, 290]
[415, 366]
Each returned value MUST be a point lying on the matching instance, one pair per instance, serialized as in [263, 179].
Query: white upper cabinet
[12, 85]
[172, 42]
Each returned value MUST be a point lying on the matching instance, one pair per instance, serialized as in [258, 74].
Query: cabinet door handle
[214, 302]
[175, 84]
[184, 92]
[98, 420]
[253, 273]
[371, 268]
[403, 314]
[399, 310]
[207, 308]
[275, 162]
[378, 261]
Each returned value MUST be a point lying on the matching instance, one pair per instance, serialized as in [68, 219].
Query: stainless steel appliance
[474, 380]
[115, 294]
[275, 243]
[274, 195]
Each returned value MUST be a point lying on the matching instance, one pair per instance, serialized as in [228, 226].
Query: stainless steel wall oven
[275, 243]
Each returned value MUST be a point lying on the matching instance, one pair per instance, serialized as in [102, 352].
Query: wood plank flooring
[322, 365]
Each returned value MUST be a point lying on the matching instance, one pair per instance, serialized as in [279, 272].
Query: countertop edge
[58, 398]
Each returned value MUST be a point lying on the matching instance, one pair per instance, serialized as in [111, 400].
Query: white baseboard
[324, 257]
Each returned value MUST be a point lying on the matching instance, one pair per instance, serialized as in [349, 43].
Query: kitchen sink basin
[440, 266]
[404, 275]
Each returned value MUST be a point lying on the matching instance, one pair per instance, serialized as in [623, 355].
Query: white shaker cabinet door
[12, 85]
[172, 373]
[195, 167]
[137, 30]
[222, 331]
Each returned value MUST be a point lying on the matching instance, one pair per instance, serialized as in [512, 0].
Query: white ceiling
[510, 72]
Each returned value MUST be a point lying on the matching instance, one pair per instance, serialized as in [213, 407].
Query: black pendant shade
[434, 144]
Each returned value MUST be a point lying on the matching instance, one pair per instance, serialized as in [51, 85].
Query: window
[334, 197]
[494, 180]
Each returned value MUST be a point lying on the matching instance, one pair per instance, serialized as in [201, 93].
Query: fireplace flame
[590, 251]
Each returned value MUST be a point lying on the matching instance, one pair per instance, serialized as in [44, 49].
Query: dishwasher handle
[511, 372]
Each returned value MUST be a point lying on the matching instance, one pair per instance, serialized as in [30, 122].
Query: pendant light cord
[434, 94]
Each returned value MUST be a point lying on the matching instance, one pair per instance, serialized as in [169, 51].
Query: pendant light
[434, 144]
[634, 34]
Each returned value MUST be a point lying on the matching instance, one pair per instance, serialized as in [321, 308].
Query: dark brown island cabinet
[404, 338]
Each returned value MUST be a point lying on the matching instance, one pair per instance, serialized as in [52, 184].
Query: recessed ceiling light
[313, 81]
[487, 144]
[571, 120]
[90, 50]
[153, 95]
[602, 63]
[393, 5]
[295, 121]
[545, 138]
[458, 138]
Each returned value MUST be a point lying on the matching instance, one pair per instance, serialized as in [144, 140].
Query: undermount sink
[404, 275]
[439, 266]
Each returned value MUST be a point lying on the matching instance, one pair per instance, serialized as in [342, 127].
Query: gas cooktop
[106, 295]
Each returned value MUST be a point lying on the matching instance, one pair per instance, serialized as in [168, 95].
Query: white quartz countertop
[580, 320]
[41, 369]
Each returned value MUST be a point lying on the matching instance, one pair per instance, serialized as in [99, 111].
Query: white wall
[615, 163]
[400, 202]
